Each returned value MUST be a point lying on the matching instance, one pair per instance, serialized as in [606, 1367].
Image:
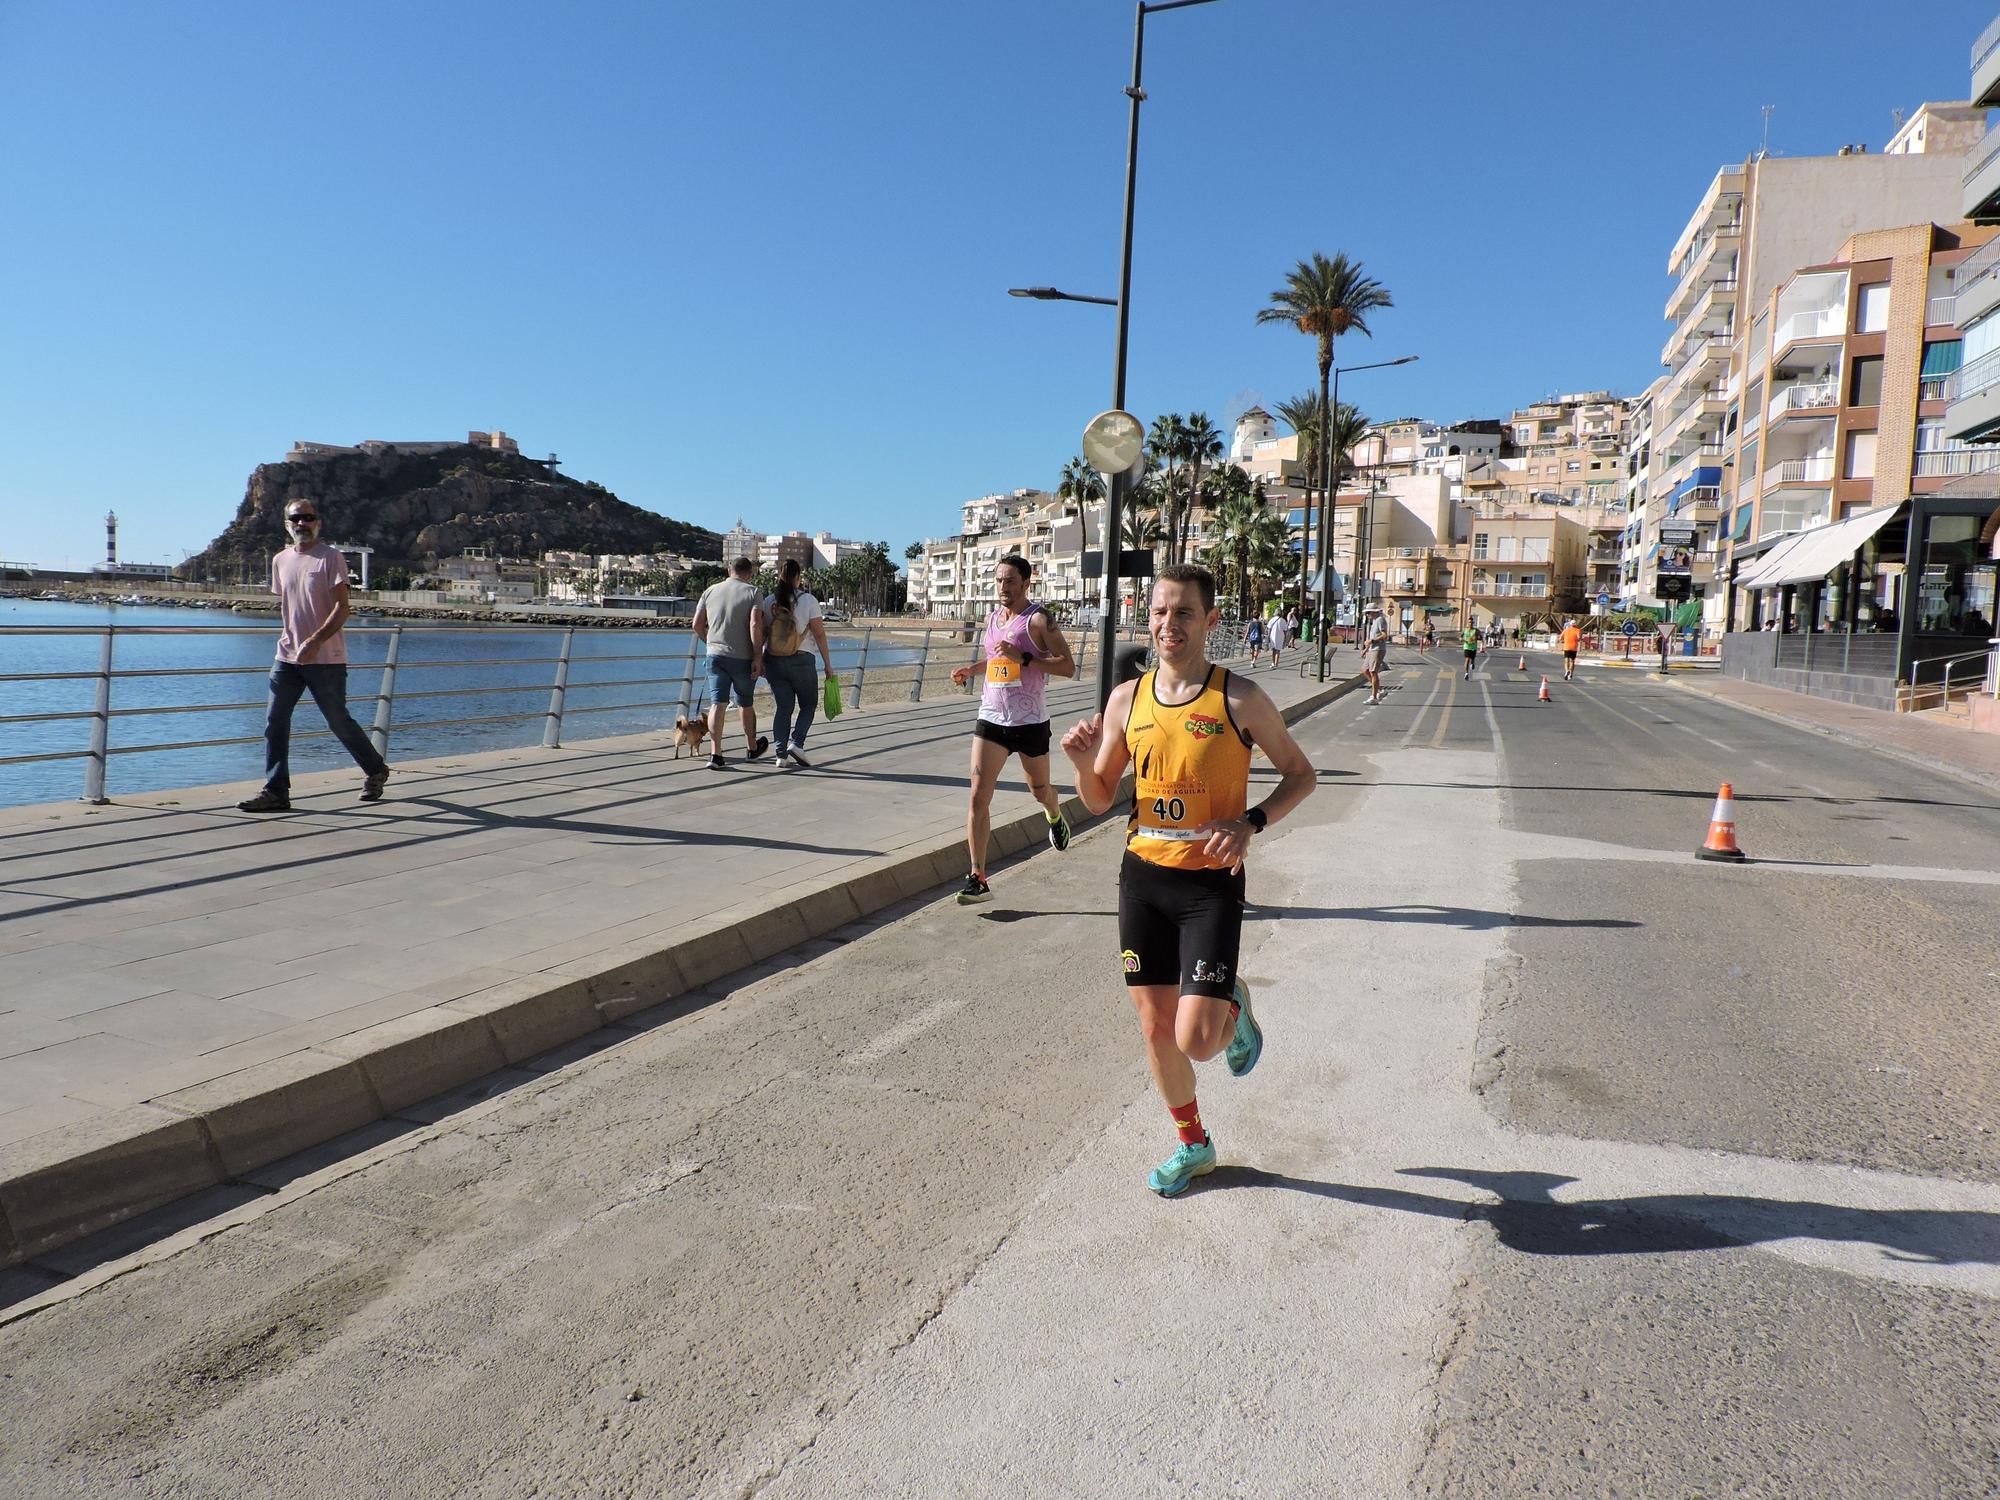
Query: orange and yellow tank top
[1190, 765]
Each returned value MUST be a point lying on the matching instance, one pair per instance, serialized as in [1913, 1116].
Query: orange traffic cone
[1543, 696]
[1721, 829]
[1524, 663]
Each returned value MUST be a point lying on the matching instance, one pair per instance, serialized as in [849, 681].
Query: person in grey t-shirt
[727, 616]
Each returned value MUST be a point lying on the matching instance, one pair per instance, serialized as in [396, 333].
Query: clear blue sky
[751, 259]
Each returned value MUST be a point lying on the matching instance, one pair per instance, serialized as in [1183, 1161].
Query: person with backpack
[793, 621]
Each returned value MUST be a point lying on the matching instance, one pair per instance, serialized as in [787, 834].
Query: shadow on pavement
[1529, 1219]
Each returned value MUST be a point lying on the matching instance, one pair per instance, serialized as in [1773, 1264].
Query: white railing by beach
[907, 665]
[1970, 379]
[1510, 590]
[1945, 463]
[1800, 471]
[1941, 312]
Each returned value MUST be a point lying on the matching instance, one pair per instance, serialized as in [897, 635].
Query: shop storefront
[1868, 606]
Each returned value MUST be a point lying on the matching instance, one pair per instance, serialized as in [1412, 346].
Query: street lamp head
[1039, 293]
[1407, 359]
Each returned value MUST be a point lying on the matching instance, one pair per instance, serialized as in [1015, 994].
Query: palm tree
[1141, 527]
[1324, 299]
[1237, 505]
[1081, 485]
[1200, 443]
[1166, 446]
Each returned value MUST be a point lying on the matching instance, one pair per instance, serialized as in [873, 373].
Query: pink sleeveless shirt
[1014, 690]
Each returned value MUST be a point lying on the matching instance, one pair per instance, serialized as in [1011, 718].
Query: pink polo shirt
[306, 584]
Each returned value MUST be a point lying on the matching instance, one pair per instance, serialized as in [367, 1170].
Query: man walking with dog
[1023, 649]
[727, 619]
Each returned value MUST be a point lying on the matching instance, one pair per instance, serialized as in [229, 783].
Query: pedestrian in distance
[311, 581]
[1023, 649]
[792, 622]
[728, 620]
[1188, 727]
[1572, 638]
[1375, 650]
[1278, 636]
[1470, 640]
[1430, 635]
[1253, 638]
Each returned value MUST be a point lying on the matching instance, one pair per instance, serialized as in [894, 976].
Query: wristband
[1257, 818]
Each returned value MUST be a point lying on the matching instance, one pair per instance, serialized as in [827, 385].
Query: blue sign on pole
[1631, 627]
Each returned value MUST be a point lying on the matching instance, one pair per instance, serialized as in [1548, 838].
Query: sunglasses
[301, 516]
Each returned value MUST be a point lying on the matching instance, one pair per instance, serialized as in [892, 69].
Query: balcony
[1976, 284]
[1487, 590]
[1952, 463]
[1798, 471]
[1941, 312]
[1979, 200]
[1804, 398]
[1986, 68]
[1814, 325]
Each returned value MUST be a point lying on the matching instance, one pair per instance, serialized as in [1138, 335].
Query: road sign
[1603, 602]
[1631, 627]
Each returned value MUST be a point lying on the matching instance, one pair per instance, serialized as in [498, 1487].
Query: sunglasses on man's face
[303, 519]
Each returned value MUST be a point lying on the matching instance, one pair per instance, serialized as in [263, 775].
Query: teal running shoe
[1173, 1175]
[1248, 1044]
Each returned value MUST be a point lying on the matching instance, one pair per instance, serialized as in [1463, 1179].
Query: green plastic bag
[830, 699]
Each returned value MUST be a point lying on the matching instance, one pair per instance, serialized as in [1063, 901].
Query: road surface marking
[1404, 743]
[1492, 722]
[904, 1032]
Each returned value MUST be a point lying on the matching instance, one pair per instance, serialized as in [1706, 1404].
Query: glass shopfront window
[1955, 586]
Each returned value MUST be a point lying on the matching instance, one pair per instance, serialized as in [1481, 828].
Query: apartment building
[1755, 225]
[1973, 390]
[775, 549]
[1526, 562]
[1569, 448]
[740, 541]
[954, 576]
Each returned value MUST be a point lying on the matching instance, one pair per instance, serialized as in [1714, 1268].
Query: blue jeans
[328, 685]
[794, 683]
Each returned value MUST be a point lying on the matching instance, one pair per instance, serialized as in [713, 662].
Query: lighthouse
[111, 541]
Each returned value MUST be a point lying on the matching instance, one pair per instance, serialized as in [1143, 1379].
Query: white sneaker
[784, 761]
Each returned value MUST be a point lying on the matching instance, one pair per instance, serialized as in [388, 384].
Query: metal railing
[1800, 471]
[1908, 693]
[1801, 398]
[1971, 378]
[1982, 263]
[1819, 323]
[873, 662]
[1941, 312]
[1939, 463]
[1989, 39]
[1986, 158]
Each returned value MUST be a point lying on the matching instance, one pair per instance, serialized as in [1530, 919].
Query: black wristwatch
[1257, 818]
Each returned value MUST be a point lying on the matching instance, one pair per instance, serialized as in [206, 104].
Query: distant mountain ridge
[413, 506]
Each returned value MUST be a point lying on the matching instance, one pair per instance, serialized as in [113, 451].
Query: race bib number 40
[1173, 813]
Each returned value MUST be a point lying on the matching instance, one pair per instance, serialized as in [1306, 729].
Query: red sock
[1187, 1120]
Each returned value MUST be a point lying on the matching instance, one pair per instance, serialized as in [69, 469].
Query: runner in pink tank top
[1021, 651]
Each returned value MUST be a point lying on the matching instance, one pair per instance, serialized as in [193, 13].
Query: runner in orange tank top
[1186, 730]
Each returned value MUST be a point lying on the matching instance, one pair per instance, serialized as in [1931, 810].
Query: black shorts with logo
[1016, 739]
[1180, 926]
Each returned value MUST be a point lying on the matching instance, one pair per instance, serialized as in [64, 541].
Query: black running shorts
[1569, 657]
[1182, 926]
[1016, 739]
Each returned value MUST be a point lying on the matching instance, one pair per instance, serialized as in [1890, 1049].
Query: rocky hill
[413, 507]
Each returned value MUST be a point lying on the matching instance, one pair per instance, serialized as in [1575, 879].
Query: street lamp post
[1115, 484]
[1363, 524]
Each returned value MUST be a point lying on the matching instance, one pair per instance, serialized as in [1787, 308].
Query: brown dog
[689, 733]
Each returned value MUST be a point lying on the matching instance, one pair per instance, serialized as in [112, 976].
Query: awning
[1756, 575]
[1700, 479]
[1816, 553]
[1942, 359]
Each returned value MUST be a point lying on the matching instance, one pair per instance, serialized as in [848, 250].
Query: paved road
[1573, 1167]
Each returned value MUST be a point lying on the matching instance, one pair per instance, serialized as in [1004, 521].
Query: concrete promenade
[188, 993]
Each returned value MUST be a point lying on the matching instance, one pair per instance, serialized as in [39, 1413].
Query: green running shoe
[1248, 1044]
[1059, 834]
[1172, 1176]
[974, 890]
